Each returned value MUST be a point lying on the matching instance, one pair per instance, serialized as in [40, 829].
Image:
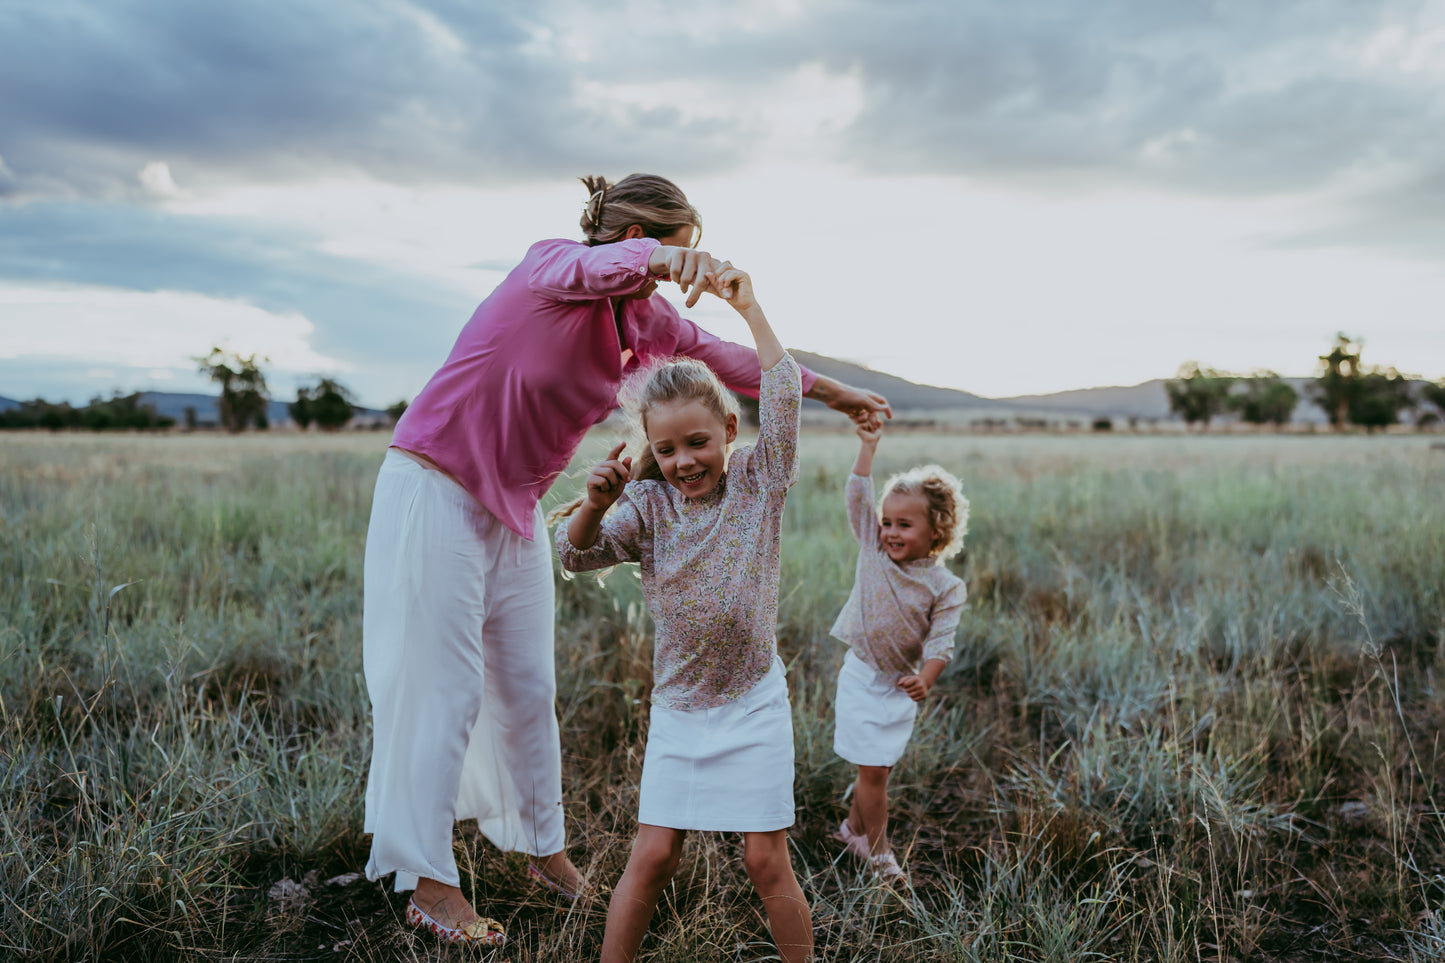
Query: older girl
[706, 530]
[457, 623]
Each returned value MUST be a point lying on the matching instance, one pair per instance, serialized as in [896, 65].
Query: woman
[457, 625]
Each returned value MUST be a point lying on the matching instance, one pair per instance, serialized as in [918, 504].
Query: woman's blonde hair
[663, 381]
[653, 203]
[947, 507]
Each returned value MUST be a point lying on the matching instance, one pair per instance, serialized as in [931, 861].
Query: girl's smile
[907, 531]
[690, 444]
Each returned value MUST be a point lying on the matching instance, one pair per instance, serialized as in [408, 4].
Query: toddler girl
[903, 610]
[705, 529]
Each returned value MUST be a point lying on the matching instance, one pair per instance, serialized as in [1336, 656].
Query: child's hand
[694, 271]
[604, 484]
[735, 287]
[916, 687]
[870, 430]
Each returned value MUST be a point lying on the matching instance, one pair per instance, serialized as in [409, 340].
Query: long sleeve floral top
[710, 565]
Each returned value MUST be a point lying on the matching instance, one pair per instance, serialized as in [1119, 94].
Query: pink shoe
[856, 843]
[886, 866]
[484, 931]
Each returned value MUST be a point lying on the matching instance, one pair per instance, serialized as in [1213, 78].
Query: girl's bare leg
[869, 812]
[765, 856]
[655, 855]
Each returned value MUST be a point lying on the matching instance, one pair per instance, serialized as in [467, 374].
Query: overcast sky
[1002, 197]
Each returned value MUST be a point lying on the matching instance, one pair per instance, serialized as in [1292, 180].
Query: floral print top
[898, 616]
[710, 565]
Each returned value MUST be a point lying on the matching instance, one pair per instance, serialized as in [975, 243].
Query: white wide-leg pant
[457, 647]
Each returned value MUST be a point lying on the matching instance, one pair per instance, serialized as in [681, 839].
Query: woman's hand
[694, 271]
[604, 484]
[862, 406]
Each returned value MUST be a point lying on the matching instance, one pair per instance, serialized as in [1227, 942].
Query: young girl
[903, 610]
[706, 530]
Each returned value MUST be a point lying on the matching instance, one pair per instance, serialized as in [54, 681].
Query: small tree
[300, 409]
[394, 412]
[1379, 397]
[1197, 394]
[331, 405]
[1264, 398]
[243, 388]
[1338, 382]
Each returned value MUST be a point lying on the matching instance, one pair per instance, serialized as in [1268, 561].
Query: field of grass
[1194, 713]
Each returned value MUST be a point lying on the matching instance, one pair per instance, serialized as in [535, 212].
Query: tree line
[120, 413]
[328, 404]
[1349, 392]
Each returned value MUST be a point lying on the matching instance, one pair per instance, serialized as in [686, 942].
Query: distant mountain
[903, 395]
[1147, 400]
[7, 403]
[174, 404]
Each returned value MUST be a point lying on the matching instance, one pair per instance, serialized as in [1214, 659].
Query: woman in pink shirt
[457, 622]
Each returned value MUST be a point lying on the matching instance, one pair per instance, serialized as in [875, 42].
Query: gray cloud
[1221, 97]
[283, 88]
[355, 306]
[1226, 96]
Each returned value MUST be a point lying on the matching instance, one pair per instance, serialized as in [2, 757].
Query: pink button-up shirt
[540, 362]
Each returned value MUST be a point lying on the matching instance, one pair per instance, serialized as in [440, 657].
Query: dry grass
[1194, 712]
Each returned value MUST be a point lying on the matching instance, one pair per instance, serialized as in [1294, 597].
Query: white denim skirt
[874, 717]
[725, 769]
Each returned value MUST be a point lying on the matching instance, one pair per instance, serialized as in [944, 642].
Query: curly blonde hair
[947, 506]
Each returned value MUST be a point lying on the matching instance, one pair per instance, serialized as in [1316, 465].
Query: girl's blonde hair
[664, 381]
[947, 507]
[653, 203]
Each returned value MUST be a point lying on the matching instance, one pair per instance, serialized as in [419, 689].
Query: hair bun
[592, 210]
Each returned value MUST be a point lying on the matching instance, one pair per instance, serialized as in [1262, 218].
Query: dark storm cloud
[355, 306]
[283, 88]
[1224, 96]
[1239, 97]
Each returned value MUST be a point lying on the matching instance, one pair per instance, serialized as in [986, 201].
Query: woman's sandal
[485, 932]
[547, 882]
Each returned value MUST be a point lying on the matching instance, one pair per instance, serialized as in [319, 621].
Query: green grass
[1194, 712]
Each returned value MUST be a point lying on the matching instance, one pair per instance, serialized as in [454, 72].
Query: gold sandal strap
[483, 927]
